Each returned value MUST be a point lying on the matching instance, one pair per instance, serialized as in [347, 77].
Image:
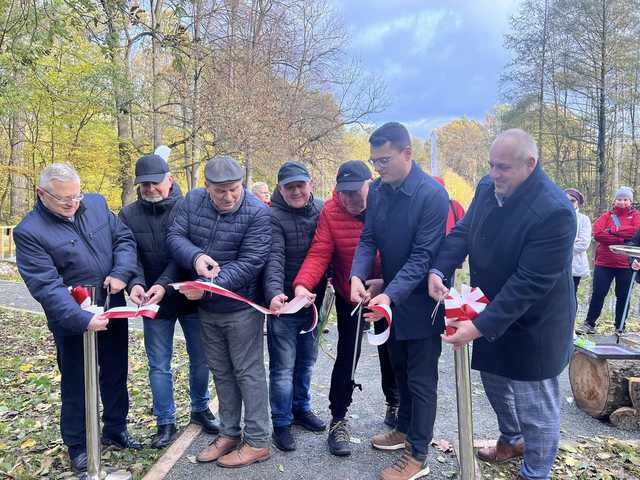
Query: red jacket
[606, 233]
[335, 242]
[456, 212]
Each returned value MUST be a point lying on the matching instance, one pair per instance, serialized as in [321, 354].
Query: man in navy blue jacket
[518, 234]
[406, 218]
[223, 233]
[71, 239]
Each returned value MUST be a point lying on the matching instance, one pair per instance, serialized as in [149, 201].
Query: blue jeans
[528, 411]
[291, 360]
[158, 342]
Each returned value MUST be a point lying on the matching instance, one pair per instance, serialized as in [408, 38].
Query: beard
[152, 198]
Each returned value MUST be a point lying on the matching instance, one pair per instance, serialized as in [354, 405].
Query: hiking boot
[218, 448]
[586, 329]
[407, 467]
[393, 440]
[501, 452]
[207, 420]
[243, 456]
[339, 439]
[309, 421]
[283, 438]
[165, 435]
[391, 417]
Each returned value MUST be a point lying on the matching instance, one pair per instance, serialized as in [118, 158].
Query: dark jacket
[239, 241]
[334, 244]
[149, 223]
[520, 256]
[406, 225]
[53, 254]
[292, 233]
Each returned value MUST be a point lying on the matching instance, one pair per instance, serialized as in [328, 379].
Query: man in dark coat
[223, 233]
[518, 234]
[148, 218]
[294, 216]
[71, 239]
[405, 221]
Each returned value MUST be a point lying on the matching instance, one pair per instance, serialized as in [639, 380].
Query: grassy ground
[30, 444]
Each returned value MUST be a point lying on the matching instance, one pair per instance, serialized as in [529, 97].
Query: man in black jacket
[294, 216]
[71, 239]
[518, 234]
[406, 218]
[148, 218]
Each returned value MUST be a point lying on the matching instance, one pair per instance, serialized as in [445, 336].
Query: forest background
[97, 83]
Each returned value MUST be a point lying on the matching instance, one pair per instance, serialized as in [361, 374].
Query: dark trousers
[576, 282]
[602, 278]
[113, 363]
[415, 364]
[340, 394]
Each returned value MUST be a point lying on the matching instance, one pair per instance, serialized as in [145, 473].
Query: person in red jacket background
[335, 242]
[612, 228]
[456, 210]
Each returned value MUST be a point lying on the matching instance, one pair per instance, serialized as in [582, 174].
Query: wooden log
[601, 386]
[634, 392]
[626, 418]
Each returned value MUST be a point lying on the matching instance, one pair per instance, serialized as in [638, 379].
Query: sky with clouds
[439, 59]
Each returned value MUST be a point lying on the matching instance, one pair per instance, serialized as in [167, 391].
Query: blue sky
[439, 59]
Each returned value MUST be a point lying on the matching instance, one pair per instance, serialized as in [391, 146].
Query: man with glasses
[70, 239]
[149, 218]
[405, 222]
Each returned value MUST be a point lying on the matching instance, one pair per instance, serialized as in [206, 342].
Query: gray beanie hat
[624, 192]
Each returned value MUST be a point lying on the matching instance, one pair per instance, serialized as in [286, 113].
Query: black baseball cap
[351, 176]
[151, 168]
[293, 172]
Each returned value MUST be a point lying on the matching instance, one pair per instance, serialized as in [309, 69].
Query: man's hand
[192, 293]
[277, 303]
[155, 294]
[382, 299]
[207, 267]
[137, 295]
[98, 322]
[374, 286]
[300, 290]
[467, 332]
[635, 265]
[437, 289]
[116, 285]
[358, 292]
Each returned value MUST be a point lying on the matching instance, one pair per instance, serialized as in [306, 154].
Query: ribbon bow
[464, 305]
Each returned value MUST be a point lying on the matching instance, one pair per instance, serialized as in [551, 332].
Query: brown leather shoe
[393, 440]
[243, 456]
[502, 452]
[407, 467]
[216, 449]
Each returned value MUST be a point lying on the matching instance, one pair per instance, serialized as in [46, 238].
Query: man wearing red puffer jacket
[612, 228]
[335, 242]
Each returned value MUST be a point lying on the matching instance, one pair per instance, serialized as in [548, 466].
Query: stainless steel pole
[91, 405]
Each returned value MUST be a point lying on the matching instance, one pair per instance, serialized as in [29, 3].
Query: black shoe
[391, 418]
[283, 439]
[121, 441]
[339, 439]
[165, 436]
[79, 462]
[207, 420]
[309, 421]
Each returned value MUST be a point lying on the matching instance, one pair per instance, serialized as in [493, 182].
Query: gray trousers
[528, 411]
[233, 345]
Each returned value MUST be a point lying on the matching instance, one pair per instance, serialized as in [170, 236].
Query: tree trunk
[602, 178]
[634, 392]
[626, 418]
[600, 386]
[18, 199]
[156, 11]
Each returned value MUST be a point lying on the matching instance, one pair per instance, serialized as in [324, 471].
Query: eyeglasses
[63, 200]
[382, 161]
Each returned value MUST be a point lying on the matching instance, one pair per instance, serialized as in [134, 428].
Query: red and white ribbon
[464, 305]
[83, 298]
[380, 338]
[293, 306]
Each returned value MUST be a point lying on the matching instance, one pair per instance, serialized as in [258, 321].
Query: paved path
[312, 459]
